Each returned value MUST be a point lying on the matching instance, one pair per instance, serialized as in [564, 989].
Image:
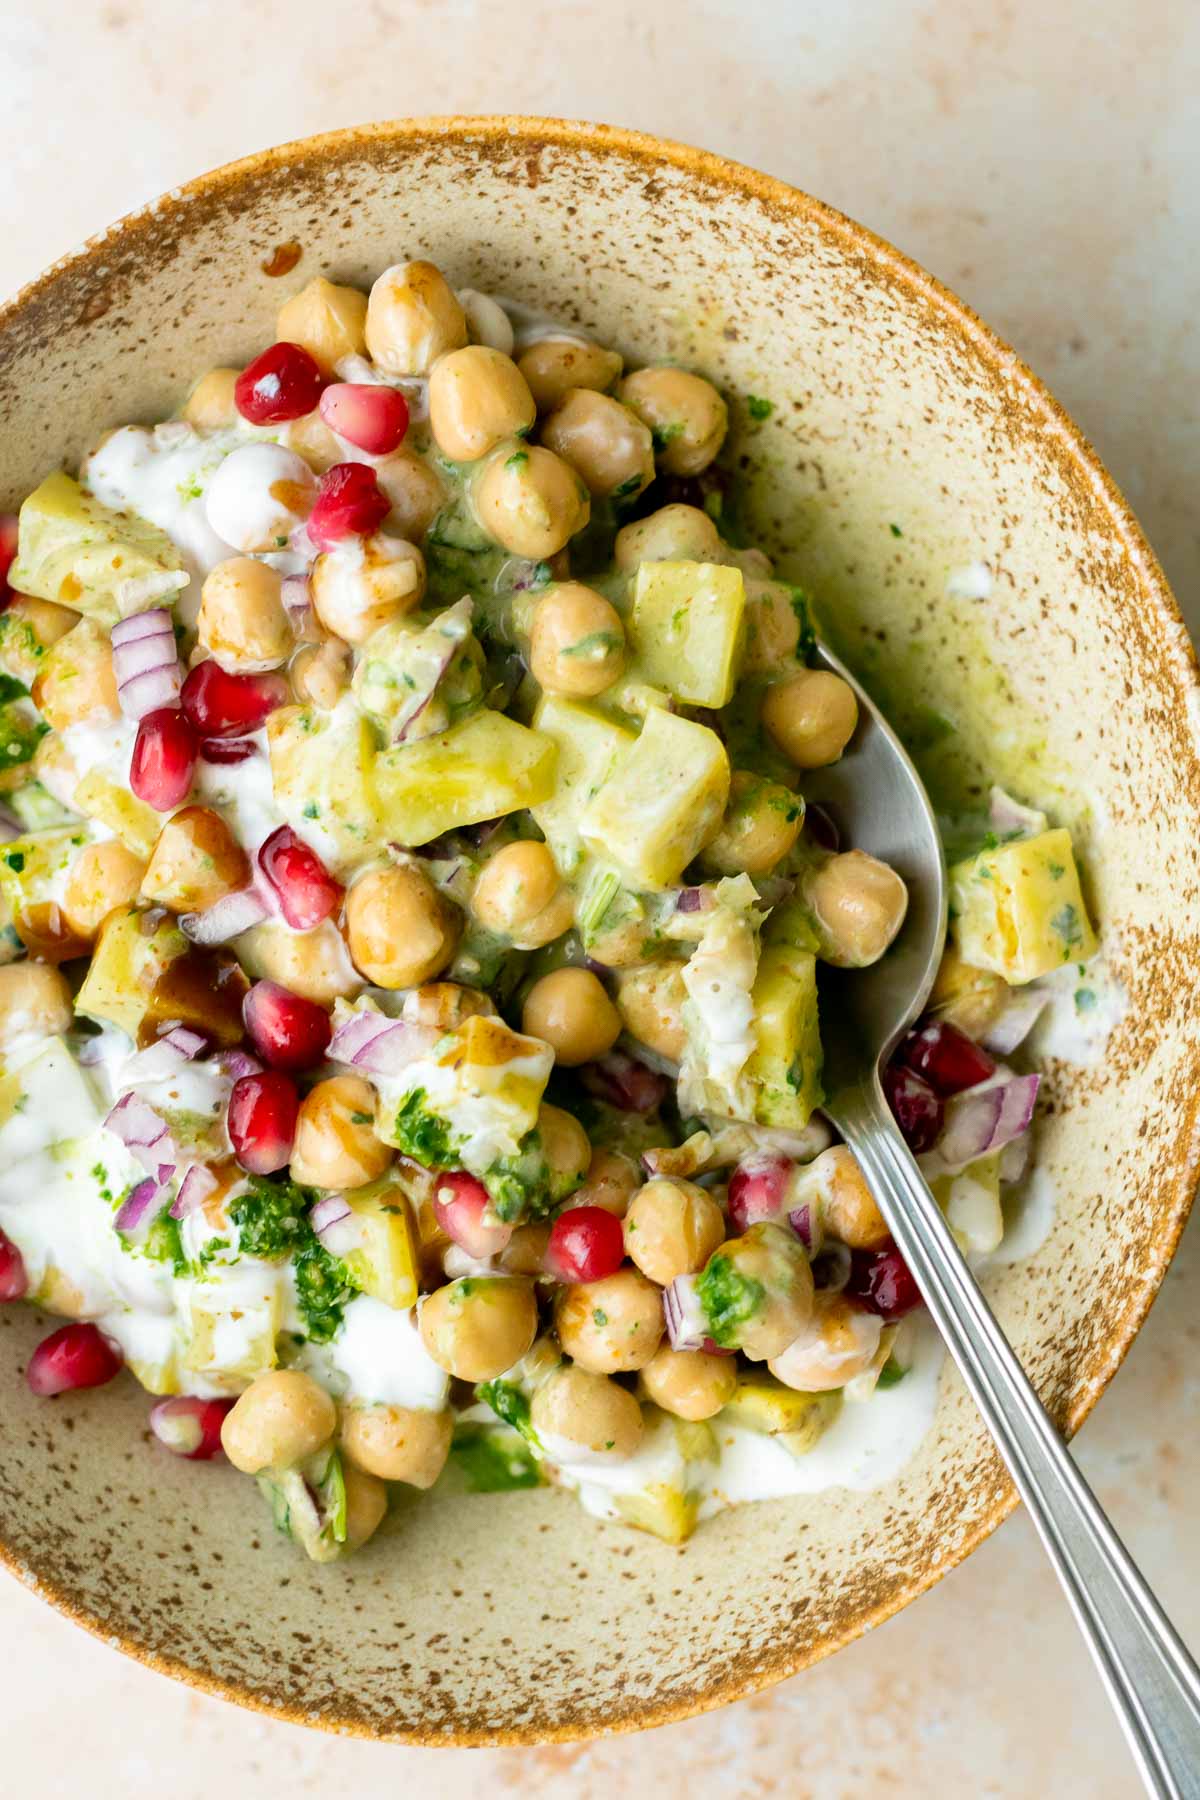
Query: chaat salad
[410, 1051]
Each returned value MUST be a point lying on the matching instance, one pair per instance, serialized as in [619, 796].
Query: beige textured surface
[1055, 149]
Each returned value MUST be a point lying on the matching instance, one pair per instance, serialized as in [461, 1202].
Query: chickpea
[811, 716]
[35, 1000]
[397, 1443]
[414, 491]
[478, 1327]
[281, 1418]
[310, 437]
[565, 1147]
[570, 1011]
[242, 624]
[258, 495]
[55, 768]
[366, 1505]
[760, 1291]
[970, 998]
[691, 1384]
[772, 627]
[320, 673]
[858, 906]
[576, 642]
[520, 895]
[603, 441]
[672, 534]
[622, 944]
[444, 1005]
[688, 417]
[610, 1325]
[611, 1182]
[400, 929]
[672, 1228]
[529, 500]
[412, 319]
[554, 365]
[196, 861]
[840, 1341]
[588, 1411]
[210, 405]
[761, 824]
[477, 398]
[314, 964]
[650, 1001]
[335, 1144]
[525, 1252]
[487, 321]
[77, 680]
[102, 876]
[356, 591]
[844, 1204]
[327, 320]
[31, 628]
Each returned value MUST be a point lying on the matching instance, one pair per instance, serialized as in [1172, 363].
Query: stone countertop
[1044, 161]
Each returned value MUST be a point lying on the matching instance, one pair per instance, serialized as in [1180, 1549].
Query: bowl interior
[905, 451]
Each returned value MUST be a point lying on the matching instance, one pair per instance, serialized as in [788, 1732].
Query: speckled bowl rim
[778, 198]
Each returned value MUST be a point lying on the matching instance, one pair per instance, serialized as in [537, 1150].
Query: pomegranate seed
[262, 1121]
[916, 1109]
[758, 1189]
[221, 705]
[947, 1058]
[227, 750]
[288, 1031]
[283, 383]
[189, 1426]
[74, 1356]
[307, 891]
[805, 1227]
[621, 1081]
[164, 759]
[586, 1244]
[460, 1203]
[14, 1282]
[369, 416]
[349, 503]
[8, 551]
[883, 1282]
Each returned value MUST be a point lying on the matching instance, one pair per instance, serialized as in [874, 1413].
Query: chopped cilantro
[759, 408]
[423, 1135]
[164, 1242]
[729, 1298]
[508, 1403]
[272, 1219]
[632, 484]
[11, 688]
[517, 460]
[1066, 925]
[891, 1373]
[599, 1318]
[362, 1118]
[895, 531]
[665, 435]
[1055, 870]
[15, 860]
[806, 644]
[1085, 999]
[323, 1286]
[312, 810]
[493, 1461]
[100, 1176]
[596, 645]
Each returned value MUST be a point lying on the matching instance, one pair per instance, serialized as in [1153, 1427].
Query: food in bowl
[412, 1056]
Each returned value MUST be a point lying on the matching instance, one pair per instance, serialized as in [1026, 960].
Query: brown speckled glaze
[516, 1618]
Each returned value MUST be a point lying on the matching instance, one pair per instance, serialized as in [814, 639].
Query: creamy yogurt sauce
[1086, 1004]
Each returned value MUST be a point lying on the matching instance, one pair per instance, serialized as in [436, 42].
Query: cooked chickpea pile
[443, 581]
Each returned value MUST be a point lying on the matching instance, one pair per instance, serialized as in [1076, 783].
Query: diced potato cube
[127, 964]
[662, 803]
[1018, 910]
[589, 744]
[78, 552]
[385, 1263]
[666, 1511]
[47, 1101]
[786, 1063]
[971, 1203]
[322, 773]
[231, 1329]
[762, 1404]
[33, 875]
[485, 767]
[136, 824]
[687, 628]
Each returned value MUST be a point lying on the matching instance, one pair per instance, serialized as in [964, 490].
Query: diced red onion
[237, 1063]
[687, 1323]
[134, 1210]
[805, 1221]
[226, 918]
[146, 663]
[335, 1224]
[1018, 1019]
[380, 1045]
[692, 900]
[194, 1190]
[161, 1059]
[228, 750]
[297, 599]
[1008, 815]
[453, 627]
[10, 826]
[137, 1125]
[624, 1082]
[986, 1119]
[1014, 1158]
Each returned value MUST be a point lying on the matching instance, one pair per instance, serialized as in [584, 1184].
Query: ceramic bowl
[910, 462]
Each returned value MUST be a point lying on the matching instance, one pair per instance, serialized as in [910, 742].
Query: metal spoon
[1151, 1680]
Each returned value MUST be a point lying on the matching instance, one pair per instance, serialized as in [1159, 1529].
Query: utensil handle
[1152, 1682]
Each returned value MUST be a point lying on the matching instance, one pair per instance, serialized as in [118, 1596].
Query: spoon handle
[1152, 1682]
